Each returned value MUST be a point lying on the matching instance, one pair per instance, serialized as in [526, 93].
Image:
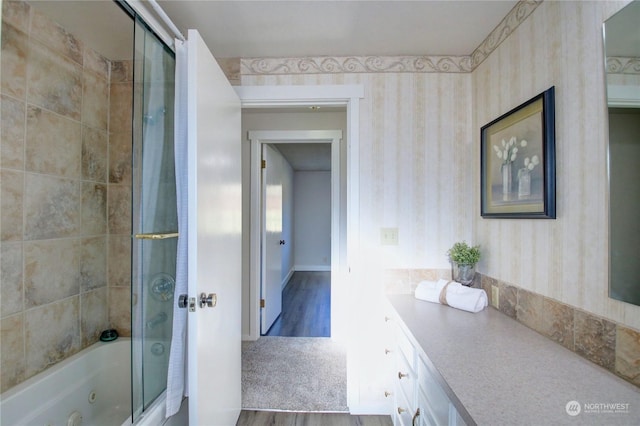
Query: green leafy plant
[463, 254]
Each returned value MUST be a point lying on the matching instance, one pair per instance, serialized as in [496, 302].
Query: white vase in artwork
[524, 183]
[506, 180]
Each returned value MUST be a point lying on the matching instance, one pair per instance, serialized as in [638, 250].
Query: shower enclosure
[89, 222]
[154, 213]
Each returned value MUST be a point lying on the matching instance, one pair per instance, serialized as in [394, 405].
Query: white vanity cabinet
[419, 397]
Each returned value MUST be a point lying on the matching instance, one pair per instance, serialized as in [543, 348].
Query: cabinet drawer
[406, 348]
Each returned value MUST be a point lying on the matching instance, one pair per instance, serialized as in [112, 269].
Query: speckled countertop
[504, 373]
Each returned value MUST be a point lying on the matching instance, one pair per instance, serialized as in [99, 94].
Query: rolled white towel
[466, 298]
[430, 290]
[457, 295]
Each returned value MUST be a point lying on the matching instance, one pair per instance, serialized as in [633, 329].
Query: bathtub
[92, 387]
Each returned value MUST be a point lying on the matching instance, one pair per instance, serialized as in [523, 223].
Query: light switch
[389, 236]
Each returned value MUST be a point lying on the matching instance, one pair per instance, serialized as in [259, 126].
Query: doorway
[267, 183]
[305, 286]
[299, 98]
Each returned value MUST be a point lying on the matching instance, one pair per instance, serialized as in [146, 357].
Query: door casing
[257, 139]
[346, 271]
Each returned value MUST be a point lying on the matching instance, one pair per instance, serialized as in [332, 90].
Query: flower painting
[518, 161]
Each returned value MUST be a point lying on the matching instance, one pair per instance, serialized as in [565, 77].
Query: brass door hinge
[264, 164]
[262, 303]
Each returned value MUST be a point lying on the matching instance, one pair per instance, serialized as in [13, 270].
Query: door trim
[257, 139]
[329, 95]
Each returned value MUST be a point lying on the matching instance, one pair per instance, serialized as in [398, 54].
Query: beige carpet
[294, 374]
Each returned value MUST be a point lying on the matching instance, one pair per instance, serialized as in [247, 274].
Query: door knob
[183, 301]
[209, 300]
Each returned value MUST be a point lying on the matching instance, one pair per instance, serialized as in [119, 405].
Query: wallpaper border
[623, 65]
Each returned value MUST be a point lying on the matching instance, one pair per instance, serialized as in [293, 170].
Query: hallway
[306, 306]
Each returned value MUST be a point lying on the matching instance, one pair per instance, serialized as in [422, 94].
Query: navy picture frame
[518, 162]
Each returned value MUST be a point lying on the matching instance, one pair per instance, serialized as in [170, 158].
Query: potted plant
[463, 259]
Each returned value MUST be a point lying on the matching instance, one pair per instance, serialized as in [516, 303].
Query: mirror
[622, 58]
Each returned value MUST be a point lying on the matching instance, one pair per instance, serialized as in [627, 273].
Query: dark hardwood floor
[263, 418]
[306, 306]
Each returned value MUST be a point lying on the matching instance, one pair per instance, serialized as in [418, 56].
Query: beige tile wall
[56, 209]
[119, 211]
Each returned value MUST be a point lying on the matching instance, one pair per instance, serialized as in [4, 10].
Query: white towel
[457, 295]
[430, 290]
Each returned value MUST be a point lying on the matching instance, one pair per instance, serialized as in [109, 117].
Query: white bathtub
[93, 387]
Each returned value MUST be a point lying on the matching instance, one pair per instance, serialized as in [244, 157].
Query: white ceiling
[269, 28]
[338, 28]
[307, 156]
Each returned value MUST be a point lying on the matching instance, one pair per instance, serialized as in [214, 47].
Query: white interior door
[214, 239]
[271, 284]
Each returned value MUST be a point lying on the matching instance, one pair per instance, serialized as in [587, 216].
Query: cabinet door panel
[436, 399]
[426, 418]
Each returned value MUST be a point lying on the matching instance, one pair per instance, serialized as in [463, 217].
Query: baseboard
[249, 338]
[284, 282]
[370, 410]
[312, 268]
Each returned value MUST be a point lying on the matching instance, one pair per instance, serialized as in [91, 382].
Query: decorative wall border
[355, 64]
[511, 21]
[623, 65]
[393, 64]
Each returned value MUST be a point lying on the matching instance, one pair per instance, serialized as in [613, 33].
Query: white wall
[312, 220]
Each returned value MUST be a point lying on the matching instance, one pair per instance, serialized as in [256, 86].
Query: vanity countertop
[504, 373]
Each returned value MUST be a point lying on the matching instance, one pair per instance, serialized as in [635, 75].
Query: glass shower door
[155, 221]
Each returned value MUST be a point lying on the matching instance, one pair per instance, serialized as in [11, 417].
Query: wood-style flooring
[306, 306]
[263, 418]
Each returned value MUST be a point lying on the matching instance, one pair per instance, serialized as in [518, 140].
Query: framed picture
[517, 162]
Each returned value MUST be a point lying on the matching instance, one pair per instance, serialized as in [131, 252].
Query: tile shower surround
[65, 169]
[610, 345]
